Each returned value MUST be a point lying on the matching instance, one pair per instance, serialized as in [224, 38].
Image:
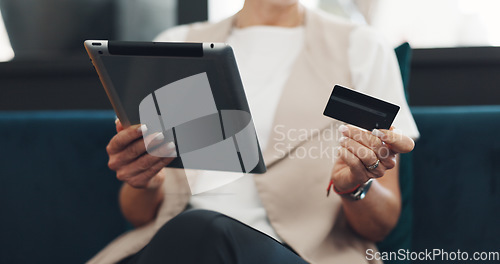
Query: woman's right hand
[129, 158]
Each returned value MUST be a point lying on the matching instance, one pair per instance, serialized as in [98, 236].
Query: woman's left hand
[364, 155]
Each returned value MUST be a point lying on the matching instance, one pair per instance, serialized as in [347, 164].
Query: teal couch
[59, 200]
[456, 190]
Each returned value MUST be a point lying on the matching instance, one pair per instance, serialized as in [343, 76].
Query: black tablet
[190, 92]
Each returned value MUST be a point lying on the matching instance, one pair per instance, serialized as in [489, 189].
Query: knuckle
[374, 142]
[390, 163]
[384, 153]
[121, 175]
[109, 148]
[134, 183]
[153, 170]
[137, 182]
[135, 151]
[368, 157]
[113, 142]
[112, 164]
[378, 173]
[145, 163]
[350, 148]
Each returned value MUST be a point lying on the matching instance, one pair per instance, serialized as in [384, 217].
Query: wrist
[357, 193]
[343, 186]
[345, 191]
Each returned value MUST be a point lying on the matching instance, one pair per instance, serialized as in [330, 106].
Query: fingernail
[170, 146]
[342, 139]
[116, 120]
[142, 129]
[170, 150]
[159, 137]
[378, 133]
[337, 151]
[343, 128]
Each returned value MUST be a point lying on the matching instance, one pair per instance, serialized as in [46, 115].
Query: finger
[365, 155]
[384, 152]
[396, 141]
[343, 179]
[133, 151]
[142, 164]
[386, 156]
[355, 165]
[124, 138]
[363, 137]
[166, 149]
[141, 178]
[119, 126]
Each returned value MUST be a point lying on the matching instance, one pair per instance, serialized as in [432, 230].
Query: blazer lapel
[217, 32]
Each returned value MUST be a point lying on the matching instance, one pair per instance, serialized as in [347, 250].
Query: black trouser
[201, 236]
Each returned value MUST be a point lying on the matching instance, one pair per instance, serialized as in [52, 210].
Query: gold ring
[374, 166]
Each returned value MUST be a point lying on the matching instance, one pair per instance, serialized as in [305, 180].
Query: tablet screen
[135, 77]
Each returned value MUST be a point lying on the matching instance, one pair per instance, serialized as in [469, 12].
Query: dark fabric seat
[456, 197]
[58, 198]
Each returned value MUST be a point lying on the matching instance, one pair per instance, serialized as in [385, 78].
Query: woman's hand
[364, 155]
[129, 158]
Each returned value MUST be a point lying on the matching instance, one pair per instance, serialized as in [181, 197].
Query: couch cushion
[59, 200]
[456, 197]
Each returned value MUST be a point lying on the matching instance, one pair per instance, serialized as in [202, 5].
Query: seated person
[287, 54]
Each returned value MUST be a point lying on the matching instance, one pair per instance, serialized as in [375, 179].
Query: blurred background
[42, 27]
[46, 36]
[58, 198]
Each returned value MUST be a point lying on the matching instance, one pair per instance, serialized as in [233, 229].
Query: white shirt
[274, 50]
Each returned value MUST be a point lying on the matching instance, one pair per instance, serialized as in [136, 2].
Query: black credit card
[359, 109]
